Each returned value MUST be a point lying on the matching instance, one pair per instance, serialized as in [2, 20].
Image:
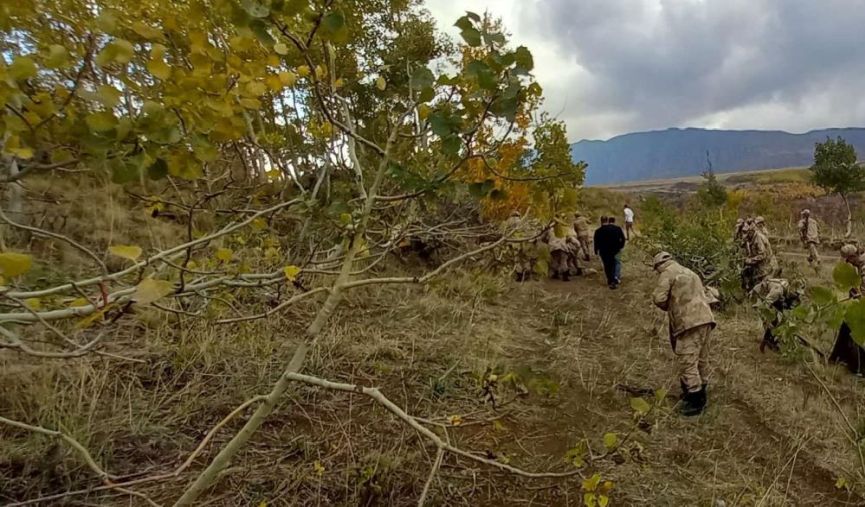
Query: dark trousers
[847, 351]
[611, 267]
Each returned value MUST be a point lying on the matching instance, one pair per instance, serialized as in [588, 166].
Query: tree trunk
[849, 216]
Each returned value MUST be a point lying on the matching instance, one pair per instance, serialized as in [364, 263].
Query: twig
[49, 234]
[440, 453]
[88, 459]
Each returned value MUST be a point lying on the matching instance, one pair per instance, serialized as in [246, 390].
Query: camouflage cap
[759, 220]
[661, 258]
[849, 250]
[806, 212]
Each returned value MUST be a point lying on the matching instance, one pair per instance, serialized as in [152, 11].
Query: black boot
[693, 403]
[566, 277]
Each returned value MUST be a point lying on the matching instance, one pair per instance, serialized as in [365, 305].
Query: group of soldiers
[569, 244]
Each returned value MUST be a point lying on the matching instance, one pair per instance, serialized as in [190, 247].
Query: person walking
[609, 241]
[681, 294]
[581, 227]
[810, 236]
[629, 222]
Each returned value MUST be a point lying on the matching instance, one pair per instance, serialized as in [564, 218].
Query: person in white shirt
[629, 222]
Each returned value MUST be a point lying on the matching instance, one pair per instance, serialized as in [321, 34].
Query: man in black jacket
[609, 241]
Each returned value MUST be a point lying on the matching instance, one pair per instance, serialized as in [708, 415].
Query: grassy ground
[771, 435]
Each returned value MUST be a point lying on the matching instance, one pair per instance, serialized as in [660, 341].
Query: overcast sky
[610, 67]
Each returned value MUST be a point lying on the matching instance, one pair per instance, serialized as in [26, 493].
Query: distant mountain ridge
[678, 152]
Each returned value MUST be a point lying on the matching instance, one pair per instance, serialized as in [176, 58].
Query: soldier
[681, 294]
[760, 262]
[846, 350]
[760, 223]
[581, 227]
[519, 253]
[810, 236]
[560, 255]
[777, 296]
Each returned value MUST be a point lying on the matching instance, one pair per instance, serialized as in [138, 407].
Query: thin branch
[440, 453]
[88, 459]
[49, 234]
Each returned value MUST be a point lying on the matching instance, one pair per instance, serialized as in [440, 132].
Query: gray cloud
[647, 64]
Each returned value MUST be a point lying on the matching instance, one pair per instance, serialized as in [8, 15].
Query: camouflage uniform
[581, 227]
[760, 261]
[760, 223]
[810, 236]
[681, 294]
[560, 254]
[776, 295]
[852, 255]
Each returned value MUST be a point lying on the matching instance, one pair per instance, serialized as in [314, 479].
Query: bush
[699, 237]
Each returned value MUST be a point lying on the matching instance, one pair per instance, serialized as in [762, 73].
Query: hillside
[682, 152]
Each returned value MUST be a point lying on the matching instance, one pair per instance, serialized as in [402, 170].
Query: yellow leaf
[640, 406]
[79, 302]
[303, 71]
[250, 103]
[455, 420]
[101, 121]
[33, 303]
[320, 71]
[256, 88]
[22, 67]
[291, 272]
[273, 60]
[224, 254]
[603, 500]
[280, 48]
[610, 440]
[93, 317]
[159, 69]
[423, 111]
[380, 83]
[339, 83]
[14, 264]
[148, 32]
[591, 484]
[274, 82]
[263, 503]
[259, 224]
[605, 487]
[108, 95]
[288, 78]
[318, 468]
[150, 290]
[57, 57]
[131, 252]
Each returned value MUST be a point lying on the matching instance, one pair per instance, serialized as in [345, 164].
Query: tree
[711, 193]
[292, 126]
[836, 170]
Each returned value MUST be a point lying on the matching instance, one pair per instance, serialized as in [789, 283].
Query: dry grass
[569, 345]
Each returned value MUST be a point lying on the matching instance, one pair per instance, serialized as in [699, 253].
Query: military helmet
[759, 220]
[661, 258]
[806, 212]
[849, 250]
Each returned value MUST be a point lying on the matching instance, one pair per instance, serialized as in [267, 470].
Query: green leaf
[157, 170]
[421, 78]
[14, 264]
[109, 96]
[333, 27]
[150, 290]
[471, 36]
[846, 277]
[523, 58]
[255, 8]
[610, 440]
[821, 296]
[660, 395]
[259, 29]
[464, 23]
[124, 171]
[481, 189]
[498, 195]
[640, 406]
[473, 16]
[481, 72]
[451, 145]
[855, 318]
